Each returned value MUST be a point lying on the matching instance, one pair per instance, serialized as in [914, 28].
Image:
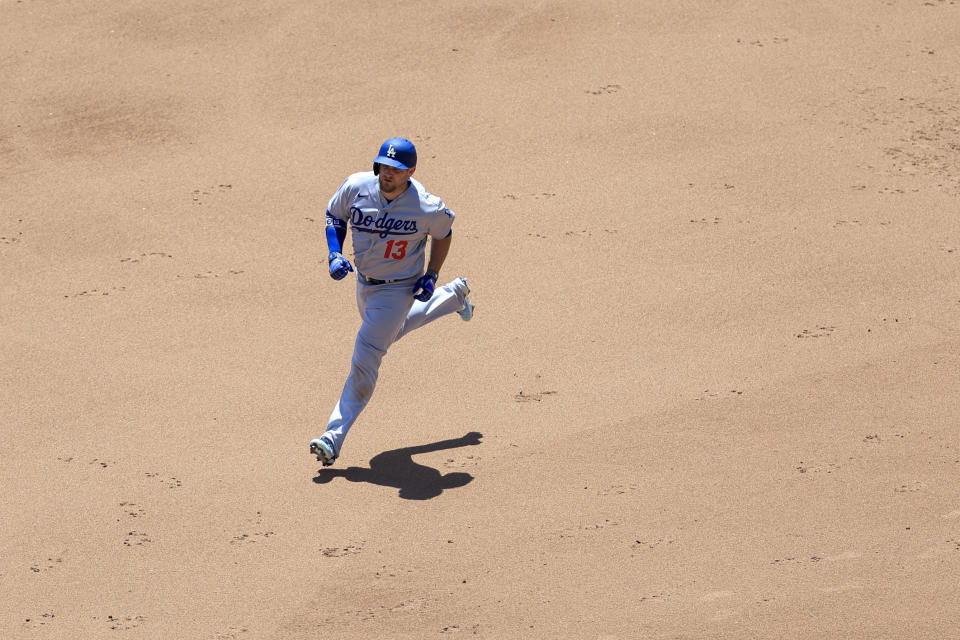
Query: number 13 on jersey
[396, 249]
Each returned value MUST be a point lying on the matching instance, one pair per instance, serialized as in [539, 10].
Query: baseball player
[391, 216]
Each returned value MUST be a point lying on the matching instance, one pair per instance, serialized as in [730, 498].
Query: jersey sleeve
[442, 223]
[339, 205]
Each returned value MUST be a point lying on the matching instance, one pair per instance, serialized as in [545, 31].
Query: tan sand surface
[711, 389]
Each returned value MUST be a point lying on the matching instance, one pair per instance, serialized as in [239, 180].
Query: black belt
[375, 280]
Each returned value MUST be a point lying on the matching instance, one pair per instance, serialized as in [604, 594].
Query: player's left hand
[425, 285]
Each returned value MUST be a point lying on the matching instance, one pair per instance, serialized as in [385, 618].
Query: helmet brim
[390, 162]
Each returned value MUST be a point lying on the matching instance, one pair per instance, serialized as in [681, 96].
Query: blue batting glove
[339, 266]
[425, 285]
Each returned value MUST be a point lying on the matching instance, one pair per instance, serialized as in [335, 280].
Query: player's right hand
[339, 266]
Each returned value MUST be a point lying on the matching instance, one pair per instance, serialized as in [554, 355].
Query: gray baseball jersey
[389, 238]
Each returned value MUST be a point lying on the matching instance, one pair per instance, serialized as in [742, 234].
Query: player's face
[393, 181]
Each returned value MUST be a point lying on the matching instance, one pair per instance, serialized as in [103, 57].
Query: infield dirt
[711, 387]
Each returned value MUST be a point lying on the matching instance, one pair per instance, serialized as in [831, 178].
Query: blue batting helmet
[396, 152]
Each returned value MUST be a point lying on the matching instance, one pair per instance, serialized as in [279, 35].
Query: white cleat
[466, 314]
[322, 447]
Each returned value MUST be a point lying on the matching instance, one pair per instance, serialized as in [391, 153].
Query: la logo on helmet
[391, 152]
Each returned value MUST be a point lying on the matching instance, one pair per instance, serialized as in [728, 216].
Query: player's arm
[336, 234]
[441, 236]
[438, 252]
[423, 289]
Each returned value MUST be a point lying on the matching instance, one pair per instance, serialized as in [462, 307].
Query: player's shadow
[397, 469]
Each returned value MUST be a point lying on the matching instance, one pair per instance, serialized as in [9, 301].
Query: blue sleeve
[336, 233]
